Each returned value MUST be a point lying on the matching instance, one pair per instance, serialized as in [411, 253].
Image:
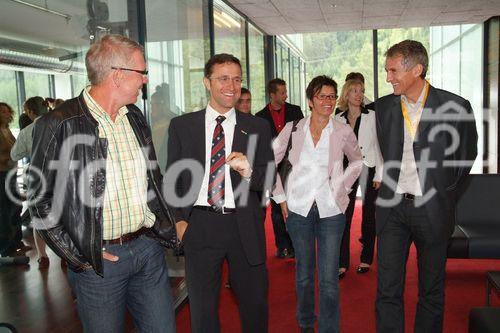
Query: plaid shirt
[125, 206]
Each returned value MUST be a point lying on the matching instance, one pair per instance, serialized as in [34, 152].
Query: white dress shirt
[309, 179]
[408, 176]
[228, 125]
[24, 142]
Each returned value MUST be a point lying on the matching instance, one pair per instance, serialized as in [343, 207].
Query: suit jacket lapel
[430, 106]
[198, 133]
[240, 140]
[288, 113]
[240, 136]
[396, 122]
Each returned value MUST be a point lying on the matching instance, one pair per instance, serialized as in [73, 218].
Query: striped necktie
[217, 166]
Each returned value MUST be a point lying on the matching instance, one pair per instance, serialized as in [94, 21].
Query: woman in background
[362, 121]
[315, 198]
[10, 211]
[34, 107]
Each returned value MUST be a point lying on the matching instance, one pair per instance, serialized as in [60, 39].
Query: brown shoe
[21, 247]
[43, 263]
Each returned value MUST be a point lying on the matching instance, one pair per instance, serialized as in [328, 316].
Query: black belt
[216, 209]
[127, 237]
[408, 196]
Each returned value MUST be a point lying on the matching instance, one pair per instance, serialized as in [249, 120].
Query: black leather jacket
[67, 181]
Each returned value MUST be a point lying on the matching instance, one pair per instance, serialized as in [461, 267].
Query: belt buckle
[409, 197]
[218, 209]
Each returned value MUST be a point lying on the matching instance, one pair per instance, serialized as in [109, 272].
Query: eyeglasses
[325, 97]
[144, 72]
[226, 79]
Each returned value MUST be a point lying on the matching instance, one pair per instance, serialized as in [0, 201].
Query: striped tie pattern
[217, 166]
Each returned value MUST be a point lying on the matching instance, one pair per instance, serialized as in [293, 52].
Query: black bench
[477, 218]
[484, 320]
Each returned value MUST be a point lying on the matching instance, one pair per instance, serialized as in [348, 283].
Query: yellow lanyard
[412, 128]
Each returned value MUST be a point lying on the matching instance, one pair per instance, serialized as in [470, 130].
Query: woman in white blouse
[362, 121]
[315, 198]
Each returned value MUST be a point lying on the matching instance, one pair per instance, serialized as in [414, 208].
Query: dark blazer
[443, 112]
[292, 112]
[186, 142]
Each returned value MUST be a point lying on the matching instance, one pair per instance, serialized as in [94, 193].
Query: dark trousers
[210, 239]
[406, 224]
[281, 237]
[10, 215]
[368, 196]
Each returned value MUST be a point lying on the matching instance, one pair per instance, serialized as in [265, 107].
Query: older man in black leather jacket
[95, 195]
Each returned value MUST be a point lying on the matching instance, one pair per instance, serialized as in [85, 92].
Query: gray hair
[110, 50]
[413, 53]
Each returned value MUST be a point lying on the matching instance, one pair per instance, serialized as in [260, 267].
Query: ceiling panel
[375, 14]
[264, 9]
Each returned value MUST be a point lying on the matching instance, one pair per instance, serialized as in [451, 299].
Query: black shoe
[291, 253]
[282, 253]
[342, 274]
[307, 330]
[362, 270]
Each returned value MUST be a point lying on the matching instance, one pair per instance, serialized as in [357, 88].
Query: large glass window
[229, 32]
[36, 84]
[285, 64]
[62, 85]
[257, 70]
[389, 37]
[339, 53]
[295, 89]
[289, 66]
[8, 93]
[177, 49]
[44, 56]
[456, 65]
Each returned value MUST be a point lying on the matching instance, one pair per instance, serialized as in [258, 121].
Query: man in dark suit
[278, 112]
[428, 141]
[215, 203]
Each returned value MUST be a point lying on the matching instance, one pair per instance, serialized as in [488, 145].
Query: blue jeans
[307, 233]
[138, 281]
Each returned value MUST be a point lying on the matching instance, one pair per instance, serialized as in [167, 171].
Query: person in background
[359, 77]
[278, 112]
[416, 127]
[362, 122]
[52, 103]
[244, 104]
[57, 102]
[34, 107]
[314, 200]
[24, 120]
[10, 211]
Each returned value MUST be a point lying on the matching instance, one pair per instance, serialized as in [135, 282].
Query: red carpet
[465, 289]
